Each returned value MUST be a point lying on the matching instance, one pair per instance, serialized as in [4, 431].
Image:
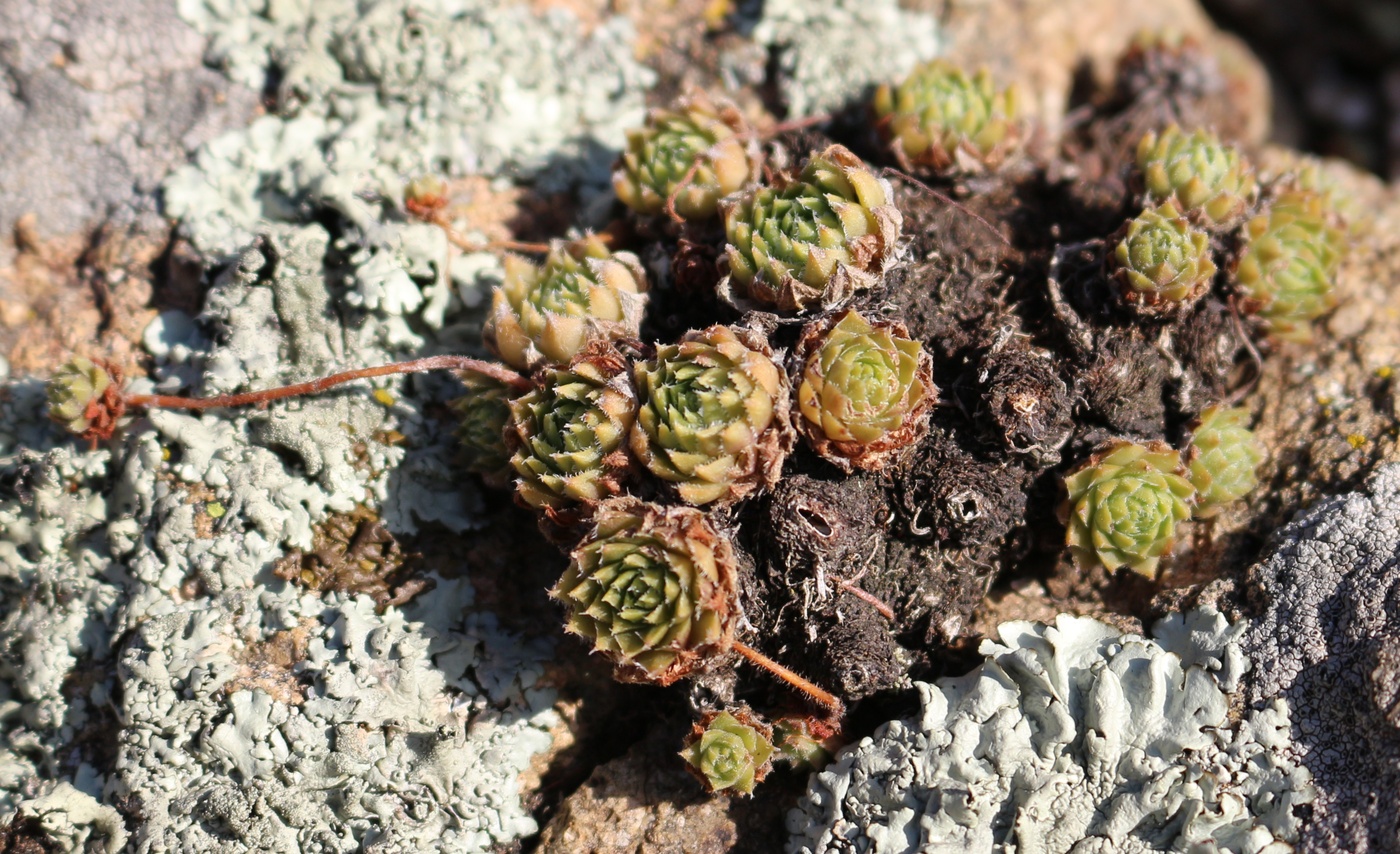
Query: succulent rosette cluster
[939, 117]
[729, 752]
[1223, 459]
[654, 589]
[1287, 269]
[1162, 263]
[864, 390]
[812, 241]
[86, 397]
[1124, 504]
[714, 415]
[482, 415]
[1207, 180]
[698, 149]
[547, 314]
[568, 434]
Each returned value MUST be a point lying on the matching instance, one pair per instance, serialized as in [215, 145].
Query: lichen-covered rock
[1327, 642]
[1071, 737]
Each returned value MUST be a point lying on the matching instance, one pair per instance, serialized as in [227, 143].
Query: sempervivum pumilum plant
[482, 415]
[729, 752]
[1223, 459]
[653, 588]
[697, 150]
[1162, 263]
[863, 391]
[1286, 272]
[1209, 181]
[714, 415]
[86, 397]
[568, 434]
[583, 292]
[812, 241]
[940, 117]
[1124, 504]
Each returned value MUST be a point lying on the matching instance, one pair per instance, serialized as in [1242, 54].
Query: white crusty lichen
[374, 93]
[1071, 738]
[73, 820]
[829, 54]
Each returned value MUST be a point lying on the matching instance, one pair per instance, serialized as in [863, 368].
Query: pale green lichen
[1071, 738]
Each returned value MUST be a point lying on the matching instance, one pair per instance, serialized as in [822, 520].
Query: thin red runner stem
[431, 363]
[832, 704]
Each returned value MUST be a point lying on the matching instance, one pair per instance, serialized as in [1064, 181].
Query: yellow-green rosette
[810, 242]
[1223, 459]
[1162, 263]
[729, 752]
[939, 117]
[1207, 180]
[1124, 504]
[482, 415]
[714, 415]
[698, 133]
[863, 392]
[1286, 272]
[653, 588]
[582, 292]
[86, 397]
[568, 435]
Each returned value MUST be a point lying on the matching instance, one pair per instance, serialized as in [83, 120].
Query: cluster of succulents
[640, 456]
[1124, 503]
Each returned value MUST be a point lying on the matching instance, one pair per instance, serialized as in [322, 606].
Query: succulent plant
[482, 415]
[424, 196]
[547, 314]
[714, 415]
[806, 742]
[939, 118]
[814, 240]
[86, 397]
[697, 132]
[864, 390]
[1162, 263]
[1208, 180]
[1124, 504]
[1223, 459]
[654, 588]
[1287, 268]
[729, 752]
[567, 435]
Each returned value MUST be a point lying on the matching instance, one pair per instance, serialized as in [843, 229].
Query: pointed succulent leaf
[813, 241]
[1223, 458]
[698, 132]
[1207, 180]
[653, 588]
[807, 743]
[1287, 270]
[547, 314]
[714, 415]
[1162, 263]
[941, 118]
[568, 434]
[729, 752]
[482, 415]
[864, 390]
[1123, 506]
[87, 397]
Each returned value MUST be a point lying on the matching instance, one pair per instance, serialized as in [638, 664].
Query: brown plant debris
[355, 553]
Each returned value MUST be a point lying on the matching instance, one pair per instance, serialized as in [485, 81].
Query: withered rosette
[863, 391]
[714, 415]
[547, 314]
[653, 588]
[567, 436]
[812, 241]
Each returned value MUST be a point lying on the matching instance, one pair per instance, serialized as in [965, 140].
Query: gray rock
[99, 101]
[1328, 642]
